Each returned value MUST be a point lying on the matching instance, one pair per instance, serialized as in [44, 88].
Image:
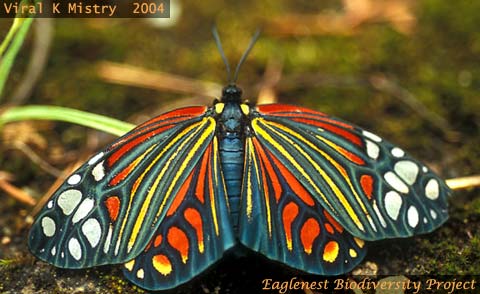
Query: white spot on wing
[48, 226]
[98, 172]
[69, 200]
[379, 215]
[372, 224]
[412, 216]
[83, 210]
[372, 136]
[74, 179]
[92, 230]
[397, 152]
[54, 250]
[424, 169]
[433, 214]
[94, 159]
[393, 203]
[140, 273]
[372, 149]
[425, 220]
[432, 190]
[50, 204]
[394, 181]
[407, 170]
[75, 249]
[106, 246]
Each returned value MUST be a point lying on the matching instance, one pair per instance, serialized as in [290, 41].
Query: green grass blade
[15, 38]
[45, 112]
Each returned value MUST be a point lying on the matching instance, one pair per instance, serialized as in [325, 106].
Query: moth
[170, 197]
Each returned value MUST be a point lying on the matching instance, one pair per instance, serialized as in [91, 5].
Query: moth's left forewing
[108, 210]
[371, 187]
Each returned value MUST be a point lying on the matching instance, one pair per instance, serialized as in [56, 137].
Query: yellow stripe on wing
[259, 172]
[212, 193]
[249, 178]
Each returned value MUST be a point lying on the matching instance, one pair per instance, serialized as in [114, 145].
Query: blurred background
[408, 70]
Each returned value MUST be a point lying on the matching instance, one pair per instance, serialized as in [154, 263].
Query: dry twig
[13, 191]
[161, 81]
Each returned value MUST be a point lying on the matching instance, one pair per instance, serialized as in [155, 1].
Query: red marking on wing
[194, 218]
[148, 246]
[115, 156]
[158, 240]
[182, 113]
[367, 185]
[150, 128]
[123, 174]
[329, 228]
[350, 156]
[330, 219]
[334, 129]
[289, 214]
[177, 200]
[308, 233]
[200, 190]
[179, 241]
[292, 181]
[277, 188]
[279, 109]
[113, 207]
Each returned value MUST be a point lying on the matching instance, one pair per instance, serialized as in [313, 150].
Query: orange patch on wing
[180, 196]
[113, 207]
[157, 241]
[289, 214]
[331, 220]
[329, 228]
[308, 233]
[277, 188]
[330, 252]
[194, 218]
[295, 185]
[367, 185]
[179, 241]
[162, 264]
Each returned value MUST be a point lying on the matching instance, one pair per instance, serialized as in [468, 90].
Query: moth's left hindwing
[109, 209]
[194, 234]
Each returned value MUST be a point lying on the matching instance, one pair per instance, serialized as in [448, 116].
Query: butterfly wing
[109, 209]
[284, 221]
[195, 232]
[371, 187]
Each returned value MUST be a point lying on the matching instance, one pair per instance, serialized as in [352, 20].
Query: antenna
[220, 48]
[245, 54]
[242, 59]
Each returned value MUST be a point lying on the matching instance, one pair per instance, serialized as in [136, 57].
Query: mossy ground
[438, 62]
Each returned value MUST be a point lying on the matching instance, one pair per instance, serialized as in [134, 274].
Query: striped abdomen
[231, 154]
